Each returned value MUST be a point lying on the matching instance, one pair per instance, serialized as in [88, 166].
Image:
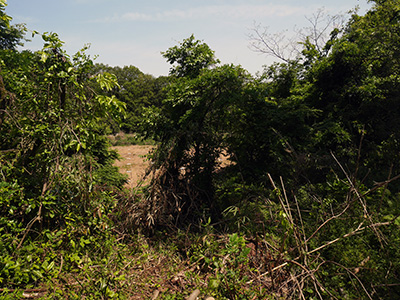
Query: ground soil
[133, 162]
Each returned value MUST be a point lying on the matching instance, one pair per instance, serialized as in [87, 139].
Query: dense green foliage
[283, 185]
[55, 166]
[137, 90]
[10, 35]
[326, 125]
[190, 58]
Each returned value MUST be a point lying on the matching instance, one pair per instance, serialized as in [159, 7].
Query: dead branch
[194, 295]
[319, 29]
[358, 230]
[326, 222]
[28, 293]
[381, 184]
[280, 46]
[354, 275]
[38, 218]
[272, 44]
[361, 199]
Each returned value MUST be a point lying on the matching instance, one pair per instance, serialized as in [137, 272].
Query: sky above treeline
[133, 32]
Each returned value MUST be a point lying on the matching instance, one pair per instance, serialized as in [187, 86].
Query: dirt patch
[133, 162]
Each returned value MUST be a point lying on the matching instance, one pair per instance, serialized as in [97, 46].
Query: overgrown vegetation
[137, 90]
[307, 205]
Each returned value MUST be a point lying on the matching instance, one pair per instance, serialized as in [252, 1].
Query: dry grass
[133, 162]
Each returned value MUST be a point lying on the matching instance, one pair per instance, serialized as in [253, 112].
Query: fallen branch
[326, 222]
[360, 197]
[356, 231]
[155, 295]
[194, 295]
[28, 293]
[353, 274]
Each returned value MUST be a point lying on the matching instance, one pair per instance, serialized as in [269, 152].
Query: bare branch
[285, 48]
[273, 44]
[362, 201]
[319, 29]
[326, 222]
[356, 231]
[194, 295]
[354, 275]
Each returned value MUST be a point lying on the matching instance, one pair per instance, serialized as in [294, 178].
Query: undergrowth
[272, 247]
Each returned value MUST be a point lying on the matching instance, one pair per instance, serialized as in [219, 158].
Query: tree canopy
[190, 58]
[11, 36]
[137, 90]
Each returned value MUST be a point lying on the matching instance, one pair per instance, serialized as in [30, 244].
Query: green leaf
[50, 266]
[44, 56]
[37, 274]
[213, 283]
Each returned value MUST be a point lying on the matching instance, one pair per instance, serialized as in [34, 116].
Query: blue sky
[131, 32]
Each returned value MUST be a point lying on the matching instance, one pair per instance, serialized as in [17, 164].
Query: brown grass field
[133, 162]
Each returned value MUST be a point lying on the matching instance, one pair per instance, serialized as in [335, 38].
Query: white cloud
[88, 1]
[238, 12]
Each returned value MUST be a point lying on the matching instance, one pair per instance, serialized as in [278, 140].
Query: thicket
[137, 90]
[306, 205]
[57, 182]
[313, 146]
